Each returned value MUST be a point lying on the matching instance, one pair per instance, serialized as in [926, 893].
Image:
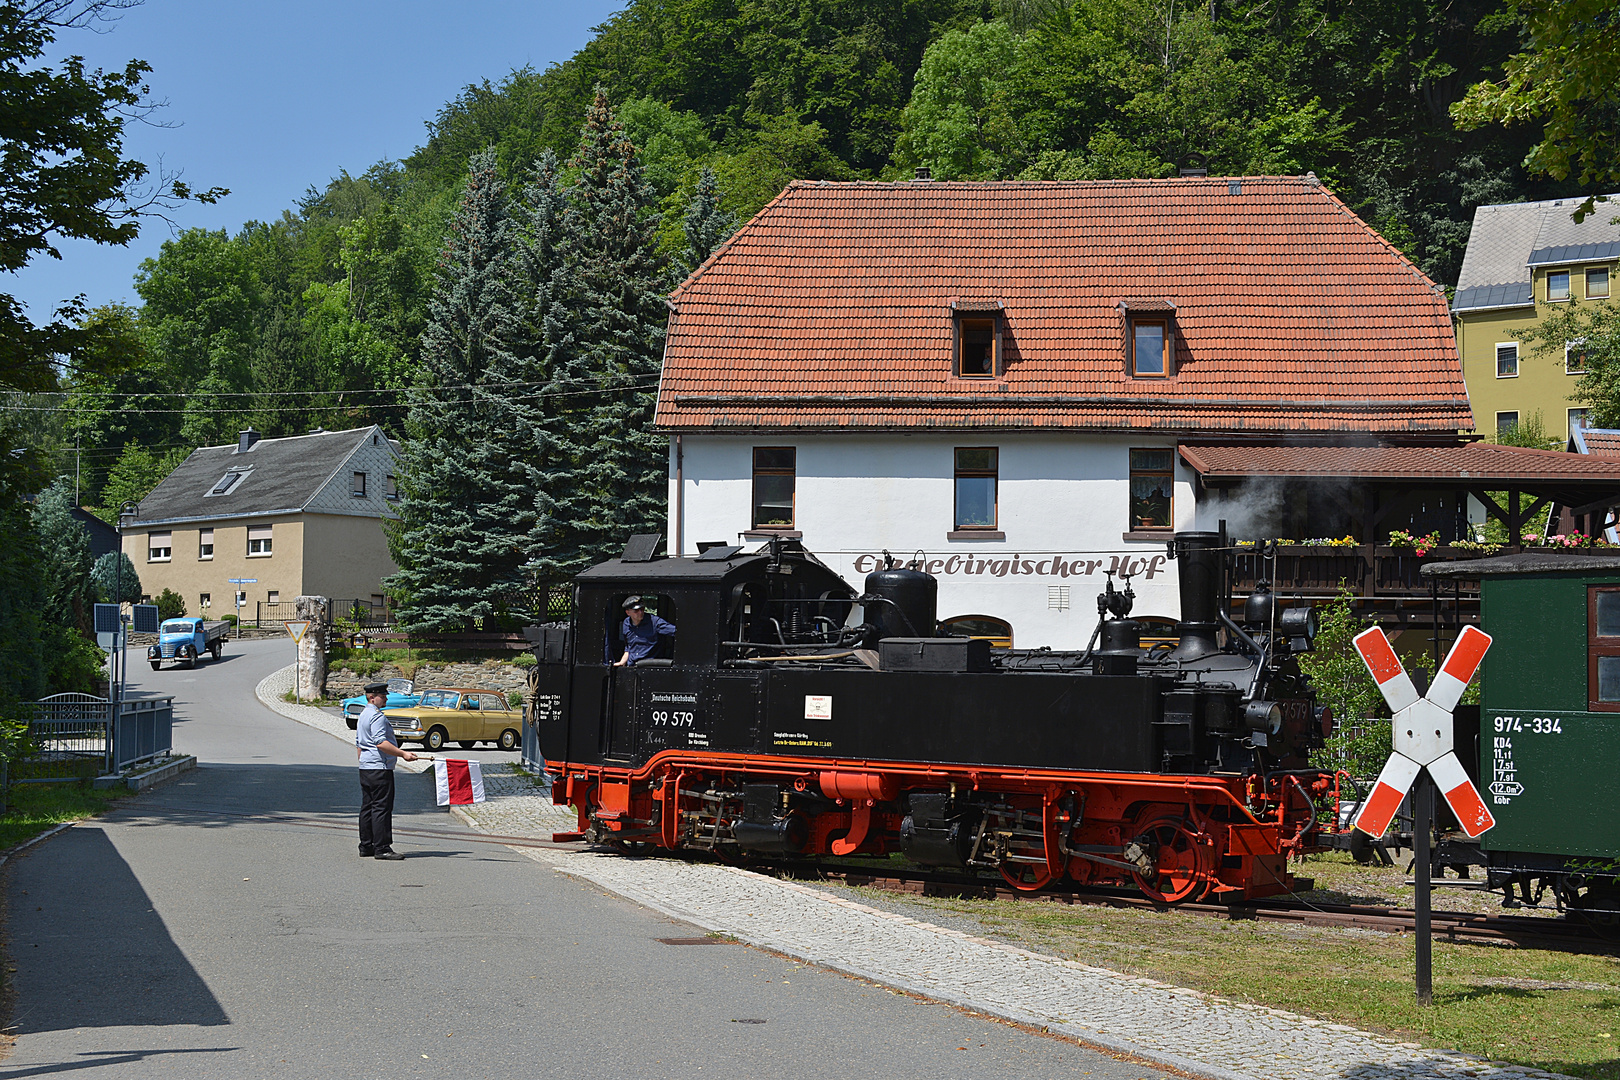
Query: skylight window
[228, 482]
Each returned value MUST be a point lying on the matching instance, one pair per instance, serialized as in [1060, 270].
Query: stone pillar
[312, 649]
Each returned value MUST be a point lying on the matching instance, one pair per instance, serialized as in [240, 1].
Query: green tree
[66, 563]
[115, 579]
[960, 122]
[1567, 75]
[607, 327]
[1343, 684]
[465, 509]
[133, 476]
[707, 224]
[63, 173]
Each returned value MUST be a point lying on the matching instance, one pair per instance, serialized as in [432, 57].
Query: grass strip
[1530, 1007]
[33, 808]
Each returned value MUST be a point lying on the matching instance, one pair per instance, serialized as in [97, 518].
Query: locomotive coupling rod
[1103, 861]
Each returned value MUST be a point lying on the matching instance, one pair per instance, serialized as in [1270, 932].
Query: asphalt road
[223, 926]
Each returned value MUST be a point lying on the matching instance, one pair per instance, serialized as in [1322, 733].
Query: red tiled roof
[1602, 442]
[833, 309]
[1484, 462]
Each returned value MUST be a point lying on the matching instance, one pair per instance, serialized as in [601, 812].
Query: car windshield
[438, 699]
[400, 686]
[177, 626]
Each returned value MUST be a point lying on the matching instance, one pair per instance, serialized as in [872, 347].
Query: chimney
[245, 440]
[923, 173]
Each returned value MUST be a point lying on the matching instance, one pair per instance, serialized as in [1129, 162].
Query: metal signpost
[1423, 757]
[297, 628]
[237, 595]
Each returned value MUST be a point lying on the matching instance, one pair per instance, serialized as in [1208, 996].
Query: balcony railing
[1384, 580]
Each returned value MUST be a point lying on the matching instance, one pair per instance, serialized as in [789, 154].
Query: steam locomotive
[791, 717]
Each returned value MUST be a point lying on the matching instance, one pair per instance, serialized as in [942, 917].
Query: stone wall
[489, 675]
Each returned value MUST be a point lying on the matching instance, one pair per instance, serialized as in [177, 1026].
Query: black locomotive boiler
[791, 716]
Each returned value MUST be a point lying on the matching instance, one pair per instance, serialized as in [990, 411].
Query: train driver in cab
[640, 632]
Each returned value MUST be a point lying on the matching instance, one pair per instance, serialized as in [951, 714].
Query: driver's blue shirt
[639, 641]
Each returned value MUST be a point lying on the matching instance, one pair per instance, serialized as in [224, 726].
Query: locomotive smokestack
[1198, 567]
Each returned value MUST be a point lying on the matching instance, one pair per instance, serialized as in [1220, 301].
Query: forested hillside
[316, 318]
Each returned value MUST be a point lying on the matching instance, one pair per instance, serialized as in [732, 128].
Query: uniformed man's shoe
[368, 853]
[389, 856]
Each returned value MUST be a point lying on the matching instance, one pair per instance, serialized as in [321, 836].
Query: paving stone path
[1198, 1033]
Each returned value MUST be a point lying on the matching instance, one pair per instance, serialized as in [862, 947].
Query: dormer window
[978, 346]
[228, 482]
[1150, 350]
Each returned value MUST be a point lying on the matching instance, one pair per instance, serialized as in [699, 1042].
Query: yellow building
[1523, 261]
[300, 515]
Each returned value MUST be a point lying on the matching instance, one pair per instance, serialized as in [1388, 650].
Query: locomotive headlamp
[1266, 716]
[1298, 625]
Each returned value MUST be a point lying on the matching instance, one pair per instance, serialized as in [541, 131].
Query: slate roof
[1508, 238]
[286, 474]
[832, 309]
[1472, 462]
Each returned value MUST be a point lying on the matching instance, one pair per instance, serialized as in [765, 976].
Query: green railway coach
[1548, 761]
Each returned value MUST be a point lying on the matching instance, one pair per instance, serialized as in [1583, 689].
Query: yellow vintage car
[458, 714]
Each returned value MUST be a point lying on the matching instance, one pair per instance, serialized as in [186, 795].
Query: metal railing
[364, 613]
[67, 737]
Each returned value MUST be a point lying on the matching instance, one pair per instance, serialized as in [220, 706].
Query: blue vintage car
[401, 695]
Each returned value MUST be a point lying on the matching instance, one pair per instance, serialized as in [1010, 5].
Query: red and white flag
[460, 783]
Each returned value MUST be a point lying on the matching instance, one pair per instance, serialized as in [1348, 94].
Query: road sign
[297, 627]
[242, 580]
[1423, 732]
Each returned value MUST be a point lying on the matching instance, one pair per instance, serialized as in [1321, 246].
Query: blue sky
[270, 98]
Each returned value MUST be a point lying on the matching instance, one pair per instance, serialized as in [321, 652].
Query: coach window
[774, 468]
[1603, 649]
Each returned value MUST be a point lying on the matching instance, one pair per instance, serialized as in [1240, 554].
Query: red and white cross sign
[1422, 730]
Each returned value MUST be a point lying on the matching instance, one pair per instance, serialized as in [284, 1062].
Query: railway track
[1564, 934]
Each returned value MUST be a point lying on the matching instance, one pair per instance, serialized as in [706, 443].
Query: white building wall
[1063, 504]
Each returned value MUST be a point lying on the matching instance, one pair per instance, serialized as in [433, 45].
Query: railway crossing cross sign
[1423, 732]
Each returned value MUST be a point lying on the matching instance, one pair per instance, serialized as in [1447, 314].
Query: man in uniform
[640, 632]
[377, 747]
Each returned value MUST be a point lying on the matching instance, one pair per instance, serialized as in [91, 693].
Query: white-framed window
[1507, 359]
[205, 543]
[273, 596]
[359, 489]
[1575, 357]
[1597, 282]
[258, 540]
[1578, 419]
[205, 601]
[159, 547]
[1506, 423]
[1558, 285]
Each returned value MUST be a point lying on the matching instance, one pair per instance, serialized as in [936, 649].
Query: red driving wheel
[1182, 866]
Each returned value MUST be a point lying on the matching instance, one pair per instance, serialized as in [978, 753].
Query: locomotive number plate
[818, 706]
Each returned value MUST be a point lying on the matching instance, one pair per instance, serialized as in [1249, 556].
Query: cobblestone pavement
[1199, 1033]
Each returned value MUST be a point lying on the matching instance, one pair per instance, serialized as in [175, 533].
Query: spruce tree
[464, 509]
[65, 545]
[606, 334]
[707, 225]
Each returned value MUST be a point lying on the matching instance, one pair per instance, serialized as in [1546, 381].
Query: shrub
[170, 604]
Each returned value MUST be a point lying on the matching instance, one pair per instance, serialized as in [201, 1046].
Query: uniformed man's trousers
[376, 810]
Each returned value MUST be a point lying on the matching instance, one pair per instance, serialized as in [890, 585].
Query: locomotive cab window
[651, 637]
[1603, 649]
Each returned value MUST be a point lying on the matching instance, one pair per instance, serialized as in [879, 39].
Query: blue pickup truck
[185, 640]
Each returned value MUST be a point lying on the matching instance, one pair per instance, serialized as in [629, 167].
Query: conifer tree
[465, 507]
[707, 225]
[606, 335]
[65, 544]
